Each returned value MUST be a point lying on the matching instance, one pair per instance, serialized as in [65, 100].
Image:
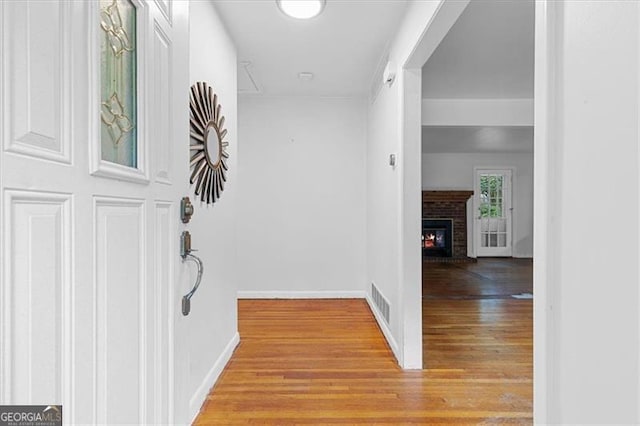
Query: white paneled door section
[36, 52]
[36, 296]
[90, 274]
[119, 310]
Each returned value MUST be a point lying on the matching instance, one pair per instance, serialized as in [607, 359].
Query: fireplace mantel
[451, 196]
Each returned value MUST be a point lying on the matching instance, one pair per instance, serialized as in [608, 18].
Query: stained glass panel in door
[118, 74]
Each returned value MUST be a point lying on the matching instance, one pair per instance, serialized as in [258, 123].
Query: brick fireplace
[443, 205]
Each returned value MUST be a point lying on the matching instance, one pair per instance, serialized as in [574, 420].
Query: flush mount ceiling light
[301, 9]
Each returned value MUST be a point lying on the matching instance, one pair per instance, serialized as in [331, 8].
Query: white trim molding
[166, 7]
[410, 219]
[638, 239]
[199, 396]
[544, 191]
[355, 294]
[435, 31]
[161, 286]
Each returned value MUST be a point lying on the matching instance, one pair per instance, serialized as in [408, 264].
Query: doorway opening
[477, 138]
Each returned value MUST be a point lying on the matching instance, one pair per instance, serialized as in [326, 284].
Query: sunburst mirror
[208, 146]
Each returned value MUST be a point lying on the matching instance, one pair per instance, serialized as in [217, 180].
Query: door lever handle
[185, 253]
[186, 299]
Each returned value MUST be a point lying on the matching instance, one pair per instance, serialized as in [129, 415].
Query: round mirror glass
[212, 144]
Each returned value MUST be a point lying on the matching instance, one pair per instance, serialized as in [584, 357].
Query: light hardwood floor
[326, 362]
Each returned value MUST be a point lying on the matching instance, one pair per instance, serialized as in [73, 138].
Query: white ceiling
[488, 53]
[341, 47]
[476, 139]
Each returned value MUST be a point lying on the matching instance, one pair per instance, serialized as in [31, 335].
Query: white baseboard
[301, 294]
[385, 330]
[198, 398]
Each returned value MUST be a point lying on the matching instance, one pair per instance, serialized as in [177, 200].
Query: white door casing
[493, 212]
[90, 277]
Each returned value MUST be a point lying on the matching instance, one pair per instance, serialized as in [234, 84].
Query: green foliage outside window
[490, 196]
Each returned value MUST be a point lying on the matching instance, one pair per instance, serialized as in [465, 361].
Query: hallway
[326, 362]
[127, 296]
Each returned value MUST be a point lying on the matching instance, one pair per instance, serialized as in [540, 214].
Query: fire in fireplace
[436, 237]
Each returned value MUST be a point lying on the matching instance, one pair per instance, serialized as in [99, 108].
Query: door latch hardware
[185, 253]
[185, 244]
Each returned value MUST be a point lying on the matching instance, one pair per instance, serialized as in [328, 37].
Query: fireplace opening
[437, 237]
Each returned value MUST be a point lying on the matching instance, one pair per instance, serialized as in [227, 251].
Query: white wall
[456, 171]
[383, 194]
[211, 327]
[394, 269]
[587, 179]
[301, 209]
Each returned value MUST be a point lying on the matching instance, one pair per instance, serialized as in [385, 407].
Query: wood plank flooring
[326, 362]
[490, 278]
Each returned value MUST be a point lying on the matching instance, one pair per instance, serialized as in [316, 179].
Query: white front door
[90, 271]
[493, 213]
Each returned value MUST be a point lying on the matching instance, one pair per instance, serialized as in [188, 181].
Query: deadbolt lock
[186, 209]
